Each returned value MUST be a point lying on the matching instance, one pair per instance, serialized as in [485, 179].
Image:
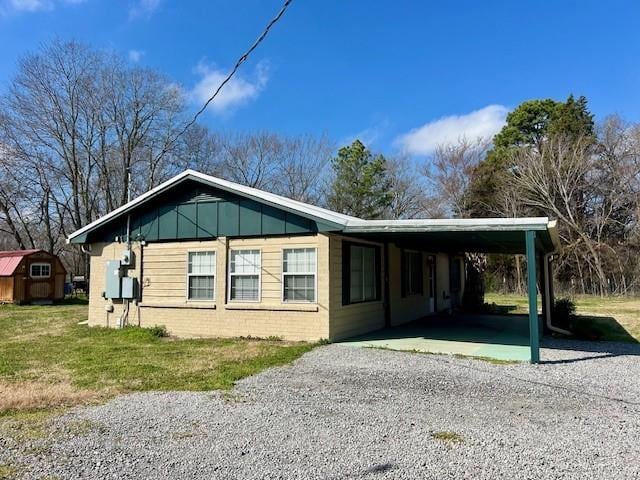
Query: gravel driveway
[341, 412]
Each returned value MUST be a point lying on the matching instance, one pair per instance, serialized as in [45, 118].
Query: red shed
[31, 276]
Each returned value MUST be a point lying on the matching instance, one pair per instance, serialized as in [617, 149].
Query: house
[208, 257]
[31, 276]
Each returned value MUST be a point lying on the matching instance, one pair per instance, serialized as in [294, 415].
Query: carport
[536, 238]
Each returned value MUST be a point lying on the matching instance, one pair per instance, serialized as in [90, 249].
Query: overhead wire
[243, 58]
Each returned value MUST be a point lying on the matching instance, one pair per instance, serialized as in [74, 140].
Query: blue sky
[401, 75]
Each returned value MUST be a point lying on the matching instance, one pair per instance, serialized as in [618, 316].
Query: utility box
[112, 279]
[127, 258]
[129, 288]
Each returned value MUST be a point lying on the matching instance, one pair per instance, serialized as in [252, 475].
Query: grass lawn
[48, 361]
[611, 318]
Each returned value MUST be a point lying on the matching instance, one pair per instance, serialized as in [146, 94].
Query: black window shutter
[346, 273]
[378, 273]
[403, 273]
[421, 270]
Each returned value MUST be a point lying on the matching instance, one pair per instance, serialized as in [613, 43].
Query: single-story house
[31, 276]
[207, 257]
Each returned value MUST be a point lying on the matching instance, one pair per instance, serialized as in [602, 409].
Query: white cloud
[368, 136]
[30, 6]
[143, 8]
[238, 91]
[483, 123]
[136, 55]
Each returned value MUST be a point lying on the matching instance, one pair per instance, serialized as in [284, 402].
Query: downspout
[547, 292]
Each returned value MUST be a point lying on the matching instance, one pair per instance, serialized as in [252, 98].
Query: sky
[402, 76]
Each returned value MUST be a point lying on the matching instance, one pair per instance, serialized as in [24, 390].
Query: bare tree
[448, 173]
[409, 197]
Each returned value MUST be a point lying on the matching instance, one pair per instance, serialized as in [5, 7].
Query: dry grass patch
[452, 438]
[8, 472]
[34, 395]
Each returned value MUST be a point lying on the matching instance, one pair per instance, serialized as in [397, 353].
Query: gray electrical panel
[129, 288]
[112, 279]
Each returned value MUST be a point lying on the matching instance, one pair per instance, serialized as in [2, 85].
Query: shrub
[159, 331]
[564, 311]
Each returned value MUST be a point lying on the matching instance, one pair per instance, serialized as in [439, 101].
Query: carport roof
[482, 235]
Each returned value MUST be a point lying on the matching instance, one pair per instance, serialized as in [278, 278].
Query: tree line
[74, 120]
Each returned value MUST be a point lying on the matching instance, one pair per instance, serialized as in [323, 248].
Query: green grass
[48, 360]
[608, 318]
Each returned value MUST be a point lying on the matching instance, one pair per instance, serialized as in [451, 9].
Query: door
[39, 282]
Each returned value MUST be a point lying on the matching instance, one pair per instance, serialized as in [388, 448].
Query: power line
[243, 58]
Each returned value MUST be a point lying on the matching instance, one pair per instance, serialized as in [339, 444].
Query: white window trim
[41, 264]
[229, 275]
[215, 277]
[314, 273]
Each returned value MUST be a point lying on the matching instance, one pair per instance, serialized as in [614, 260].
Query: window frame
[229, 275]
[346, 272]
[189, 275]
[39, 264]
[314, 273]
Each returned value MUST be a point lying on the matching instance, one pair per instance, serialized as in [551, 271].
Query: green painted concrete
[503, 337]
[534, 326]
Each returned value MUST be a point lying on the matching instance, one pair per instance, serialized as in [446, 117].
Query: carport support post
[534, 332]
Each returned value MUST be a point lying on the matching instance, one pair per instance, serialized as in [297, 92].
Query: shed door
[39, 284]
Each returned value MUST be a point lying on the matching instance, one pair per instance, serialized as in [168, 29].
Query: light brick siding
[161, 269]
[349, 320]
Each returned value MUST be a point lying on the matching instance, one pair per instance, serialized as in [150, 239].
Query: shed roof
[9, 260]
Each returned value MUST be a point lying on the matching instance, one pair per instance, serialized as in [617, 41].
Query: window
[201, 275]
[40, 270]
[412, 273]
[299, 275]
[244, 275]
[362, 274]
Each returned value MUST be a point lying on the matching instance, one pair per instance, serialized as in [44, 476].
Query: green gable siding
[228, 219]
[250, 217]
[273, 221]
[167, 222]
[193, 211]
[207, 219]
[187, 220]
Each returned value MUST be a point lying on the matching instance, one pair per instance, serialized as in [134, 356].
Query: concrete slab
[502, 337]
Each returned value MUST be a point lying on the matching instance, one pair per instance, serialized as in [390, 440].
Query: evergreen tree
[361, 186]
[530, 124]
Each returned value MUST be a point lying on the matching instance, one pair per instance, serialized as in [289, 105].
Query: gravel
[342, 412]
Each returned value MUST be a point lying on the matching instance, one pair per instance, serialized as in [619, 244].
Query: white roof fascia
[449, 225]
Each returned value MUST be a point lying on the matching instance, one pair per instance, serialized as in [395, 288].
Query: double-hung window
[40, 270]
[299, 275]
[201, 275]
[362, 274]
[244, 275]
